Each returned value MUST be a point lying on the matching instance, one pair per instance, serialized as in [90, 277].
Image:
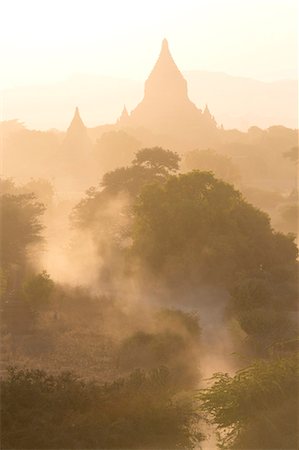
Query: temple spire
[124, 117]
[207, 111]
[165, 58]
[77, 114]
[164, 47]
[125, 112]
[166, 106]
[77, 122]
[76, 135]
[165, 80]
[208, 116]
[75, 153]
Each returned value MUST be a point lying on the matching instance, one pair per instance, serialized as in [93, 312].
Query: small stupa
[124, 119]
[74, 160]
[76, 138]
[209, 119]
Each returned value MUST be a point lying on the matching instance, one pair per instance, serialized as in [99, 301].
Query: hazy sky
[44, 41]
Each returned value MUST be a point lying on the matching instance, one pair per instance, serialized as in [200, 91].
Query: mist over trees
[257, 407]
[149, 281]
[178, 232]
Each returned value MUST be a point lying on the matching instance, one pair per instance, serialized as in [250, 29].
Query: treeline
[46, 411]
[160, 237]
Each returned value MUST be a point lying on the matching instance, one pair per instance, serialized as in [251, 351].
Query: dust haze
[149, 271]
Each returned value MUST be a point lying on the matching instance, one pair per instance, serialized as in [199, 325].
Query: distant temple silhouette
[76, 139]
[165, 116]
[73, 161]
[166, 108]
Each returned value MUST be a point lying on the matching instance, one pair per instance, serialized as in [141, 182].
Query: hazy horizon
[56, 39]
[75, 74]
[117, 45]
[101, 98]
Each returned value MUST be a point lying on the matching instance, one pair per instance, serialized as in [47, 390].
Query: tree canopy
[196, 226]
[258, 407]
[150, 165]
[61, 411]
[159, 160]
[196, 230]
[20, 226]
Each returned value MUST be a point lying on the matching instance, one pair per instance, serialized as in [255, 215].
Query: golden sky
[46, 41]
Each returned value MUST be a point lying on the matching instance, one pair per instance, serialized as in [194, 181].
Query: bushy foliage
[127, 179]
[52, 412]
[258, 407]
[168, 338]
[150, 350]
[171, 339]
[21, 230]
[292, 154]
[157, 159]
[150, 165]
[264, 306]
[197, 227]
[187, 323]
[37, 290]
[20, 226]
[107, 211]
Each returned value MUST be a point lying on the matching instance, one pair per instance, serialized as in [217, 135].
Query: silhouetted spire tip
[206, 110]
[76, 121]
[124, 116]
[77, 113]
[165, 44]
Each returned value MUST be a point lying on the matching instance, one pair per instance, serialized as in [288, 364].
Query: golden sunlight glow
[51, 39]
